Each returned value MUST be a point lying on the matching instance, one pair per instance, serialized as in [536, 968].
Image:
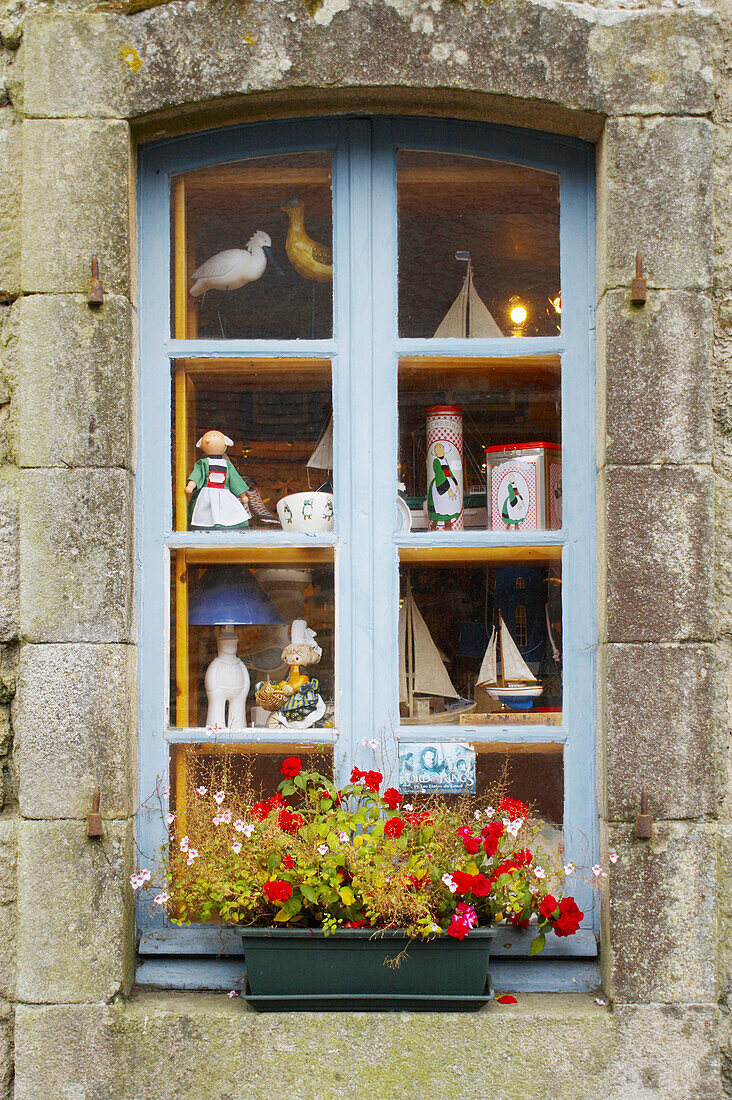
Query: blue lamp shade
[229, 595]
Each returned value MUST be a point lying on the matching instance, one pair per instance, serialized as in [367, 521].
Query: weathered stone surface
[659, 571]
[74, 723]
[74, 405]
[10, 222]
[199, 1046]
[9, 557]
[75, 937]
[76, 573]
[662, 915]
[6, 1051]
[518, 49]
[656, 196]
[723, 208]
[85, 165]
[664, 706]
[8, 910]
[724, 894]
[658, 380]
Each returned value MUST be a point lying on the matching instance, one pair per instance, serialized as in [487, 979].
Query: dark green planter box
[291, 969]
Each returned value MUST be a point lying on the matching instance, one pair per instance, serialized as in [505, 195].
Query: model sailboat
[422, 671]
[322, 456]
[468, 315]
[516, 680]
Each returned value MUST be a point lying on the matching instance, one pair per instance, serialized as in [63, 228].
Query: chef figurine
[222, 494]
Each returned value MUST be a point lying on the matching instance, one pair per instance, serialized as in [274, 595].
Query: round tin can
[445, 468]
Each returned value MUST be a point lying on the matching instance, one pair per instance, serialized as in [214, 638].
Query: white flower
[200, 791]
[539, 872]
[192, 854]
[160, 899]
[344, 838]
[599, 1002]
[210, 731]
[435, 928]
[216, 820]
[247, 830]
[165, 791]
[612, 856]
[598, 871]
[477, 815]
[513, 827]
[219, 797]
[169, 818]
[489, 811]
[145, 875]
[135, 882]
[407, 808]
[226, 817]
[570, 869]
[184, 844]
[236, 847]
[233, 993]
[450, 883]
[239, 825]
[323, 849]
[371, 742]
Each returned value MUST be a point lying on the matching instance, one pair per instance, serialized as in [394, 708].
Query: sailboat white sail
[468, 315]
[421, 668]
[516, 679]
[322, 456]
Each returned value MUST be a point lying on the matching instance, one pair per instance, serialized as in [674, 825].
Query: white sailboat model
[422, 671]
[322, 456]
[516, 680]
[468, 315]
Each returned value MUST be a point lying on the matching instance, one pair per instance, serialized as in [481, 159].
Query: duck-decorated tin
[524, 486]
[445, 468]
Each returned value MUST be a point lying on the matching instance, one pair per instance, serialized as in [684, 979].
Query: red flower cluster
[513, 808]
[278, 890]
[394, 827]
[458, 929]
[492, 834]
[470, 843]
[288, 862]
[371, 780]
[478, 885]
[416, 821]
[291, 767]
[564, 915]
[260, 810]
[391, 797]
[290, 822]
[523, 857]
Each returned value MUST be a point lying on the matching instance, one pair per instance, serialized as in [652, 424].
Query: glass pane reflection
[478, 247]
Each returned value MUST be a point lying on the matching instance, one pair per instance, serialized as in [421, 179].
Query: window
[396, 345]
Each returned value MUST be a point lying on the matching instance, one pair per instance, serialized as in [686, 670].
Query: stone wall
[81, 83]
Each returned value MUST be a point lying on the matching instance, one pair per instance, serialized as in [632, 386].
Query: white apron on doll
[216, 505]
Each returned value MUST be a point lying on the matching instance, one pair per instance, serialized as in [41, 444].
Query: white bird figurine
[234, 267]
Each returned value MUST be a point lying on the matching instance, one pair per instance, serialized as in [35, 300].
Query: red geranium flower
[496, 829]
[547, 906]
[372, 780]
[416, 821]
[260, 810]
[517, 921]
[291, 767]
[290, 822]
[463, 881]
[513, 808]
[458, 929]
[523, 857]
[569, 918]
[392, 798]
[481, 886]
[278, 890]
[357, 775]
[288, 862]
[394, 827]
[472, 844]
[490, 846]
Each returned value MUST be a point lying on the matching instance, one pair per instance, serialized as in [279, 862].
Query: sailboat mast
[500, 640]
[468, 308]
[410, 647]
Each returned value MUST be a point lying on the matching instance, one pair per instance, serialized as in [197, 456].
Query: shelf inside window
[449, 556]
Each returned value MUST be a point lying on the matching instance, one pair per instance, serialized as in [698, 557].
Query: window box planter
[303, 969]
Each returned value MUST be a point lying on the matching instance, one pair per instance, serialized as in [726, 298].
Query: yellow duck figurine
[310, 259]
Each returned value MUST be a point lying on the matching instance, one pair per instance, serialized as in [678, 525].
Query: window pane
[252, 250]
[460, 653]
[478, 247]
[241, 654]
[277, 414]
[480, 443]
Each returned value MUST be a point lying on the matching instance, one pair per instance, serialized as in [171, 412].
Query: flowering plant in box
[315, 855]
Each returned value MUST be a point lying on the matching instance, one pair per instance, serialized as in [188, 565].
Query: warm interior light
[557, 303]
[518, 315]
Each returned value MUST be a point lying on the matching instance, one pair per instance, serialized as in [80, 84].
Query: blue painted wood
[364, 352]
[205, 940]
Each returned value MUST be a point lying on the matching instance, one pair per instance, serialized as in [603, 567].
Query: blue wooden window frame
[364, 350]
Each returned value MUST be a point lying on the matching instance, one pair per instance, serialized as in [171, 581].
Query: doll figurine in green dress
[221, 494]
